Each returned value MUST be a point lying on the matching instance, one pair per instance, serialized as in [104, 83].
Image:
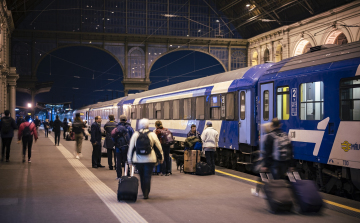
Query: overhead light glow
[29, 105]
[247, 5]
[169, 15]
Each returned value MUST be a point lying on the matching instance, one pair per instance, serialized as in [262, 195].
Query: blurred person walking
[109, 143]
[78, 128]
[7, 127]
[65, 126]
[96, 142]
[46, 127]
[27, 131]
[57, 129]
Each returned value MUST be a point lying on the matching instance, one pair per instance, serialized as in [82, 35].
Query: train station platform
[56, 187]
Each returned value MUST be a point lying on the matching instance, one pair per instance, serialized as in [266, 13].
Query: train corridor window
[266, 106]
[230, 113]
[151, 111]
[283, 103]
[133, 112]
[215, 107]
[166, 110]
[176, 109]
[242, 105]
[200, 108]
[158, 110]
[187, 108]
[350, 100]
[138, 111]
[312, 101]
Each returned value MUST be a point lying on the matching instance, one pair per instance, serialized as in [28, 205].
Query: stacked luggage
[191, 158]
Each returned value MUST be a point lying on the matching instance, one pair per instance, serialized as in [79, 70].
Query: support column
[126, 59]
[147, 72]
[12, 101]
[229, 58]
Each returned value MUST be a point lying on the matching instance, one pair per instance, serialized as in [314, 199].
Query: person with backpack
[7, 126]
[210, 139]
[65, 127]
[57, 129]
[121, 136]
[96, 142]
[142, 154]
[109, 143]
[46, 127]
[78, 128]
[277, 151]
[27, 131]
[166, 139]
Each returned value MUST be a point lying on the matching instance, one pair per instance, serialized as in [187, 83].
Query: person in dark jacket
[20, 120]
[46, 127]
[7, 126]
[65, 127]
[109, 143]
[27, 131]
[37, 123]
[165, 148]
[193, 132]
[277, 168]
[78, 128]
[51, 124]
[122, 149]
[96, 142]
[57, 129]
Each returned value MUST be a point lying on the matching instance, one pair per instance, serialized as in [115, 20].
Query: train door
[244, 116]
[267, 105]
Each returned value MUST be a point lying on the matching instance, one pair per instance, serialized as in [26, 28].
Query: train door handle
[239, 124]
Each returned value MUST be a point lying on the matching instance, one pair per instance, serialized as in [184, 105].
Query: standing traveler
[46, 127]
[65, 127]
[121, 137]
[51, 124]
[96, 142]
[142, 144]
[7, 126]
[20, 120]
[160, 132]
[57, 129]
[277, 151]
[27, 131]
[109, 143]
[37, 123]
[193, 132]
[210, 138]
[78, 129]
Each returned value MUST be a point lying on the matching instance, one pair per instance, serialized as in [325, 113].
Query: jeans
[46, 132]
[57, 137]
[6, 143]
[96, 154]
[166, 163]
[279, 169]
[27, 142]
[79, 139]
[110, 153]
[145, 173]
[121, 157]
[210, 160]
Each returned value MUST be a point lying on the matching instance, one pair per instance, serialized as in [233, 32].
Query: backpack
[282, 147]
[143, 146]
[26, 132]
[166, 137]
[120, 136]
[77, 127]
[6, 125]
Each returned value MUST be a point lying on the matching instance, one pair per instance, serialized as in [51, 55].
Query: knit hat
[123, 118]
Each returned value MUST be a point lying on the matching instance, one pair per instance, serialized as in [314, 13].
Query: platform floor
[56, 187]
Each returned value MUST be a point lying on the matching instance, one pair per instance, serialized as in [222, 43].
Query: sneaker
[29, 160]
[118, 178]
[77, 157]
[167, 174]
[254, 193]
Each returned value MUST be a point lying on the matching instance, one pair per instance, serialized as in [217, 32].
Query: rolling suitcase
[128, 186]
[203, 169]
[306, 193]
[277, 192]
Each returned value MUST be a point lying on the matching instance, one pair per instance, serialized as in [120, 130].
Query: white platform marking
[122, 211]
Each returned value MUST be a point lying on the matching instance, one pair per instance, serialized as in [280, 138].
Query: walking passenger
[109, 143]
[142, 144]
[78, 129]
[7, 126]
[20, 120]
[161, 132]
[65, 127]
[46, 127]
[96, 142]
[277, 151]
[37, 123]
[193, 132]
[210, 138]
[57, 129]
[121, 137]
[27, 131]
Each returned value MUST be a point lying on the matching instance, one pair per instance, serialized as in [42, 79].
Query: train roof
[106, 103]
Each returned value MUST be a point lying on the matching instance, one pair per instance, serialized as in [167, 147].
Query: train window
[133, 113]
[283, 103]
[151, 111]
[242, 105]
[266, 106]
[230, 113]
[158, 110]
[350, 100]
[215, 107]
[312, 101]
[166, 110]
[138, 112]
[176, 109]
[187, 108]
[200, 108]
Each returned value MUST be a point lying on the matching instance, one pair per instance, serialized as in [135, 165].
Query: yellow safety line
[326, 201]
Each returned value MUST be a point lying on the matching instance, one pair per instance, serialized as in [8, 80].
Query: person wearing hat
[109, 143]
[78, 128]
[210, 139]
[165, 148]
[121, 149]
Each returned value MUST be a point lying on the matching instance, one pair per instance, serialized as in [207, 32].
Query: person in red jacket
[27, 131]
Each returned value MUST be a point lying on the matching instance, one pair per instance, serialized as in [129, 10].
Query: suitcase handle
[266, 176]
[132, 169]
[293, 176]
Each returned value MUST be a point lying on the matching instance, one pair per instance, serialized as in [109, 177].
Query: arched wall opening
[336, 37]
[254, 60]
[266, 55]
[278, 54]
[302, 47]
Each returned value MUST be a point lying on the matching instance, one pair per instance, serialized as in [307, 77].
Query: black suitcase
[128, 186]
[306, 193]
[277, 192]
[203, 169]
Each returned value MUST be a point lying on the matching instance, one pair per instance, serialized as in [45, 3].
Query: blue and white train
[316, 95]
